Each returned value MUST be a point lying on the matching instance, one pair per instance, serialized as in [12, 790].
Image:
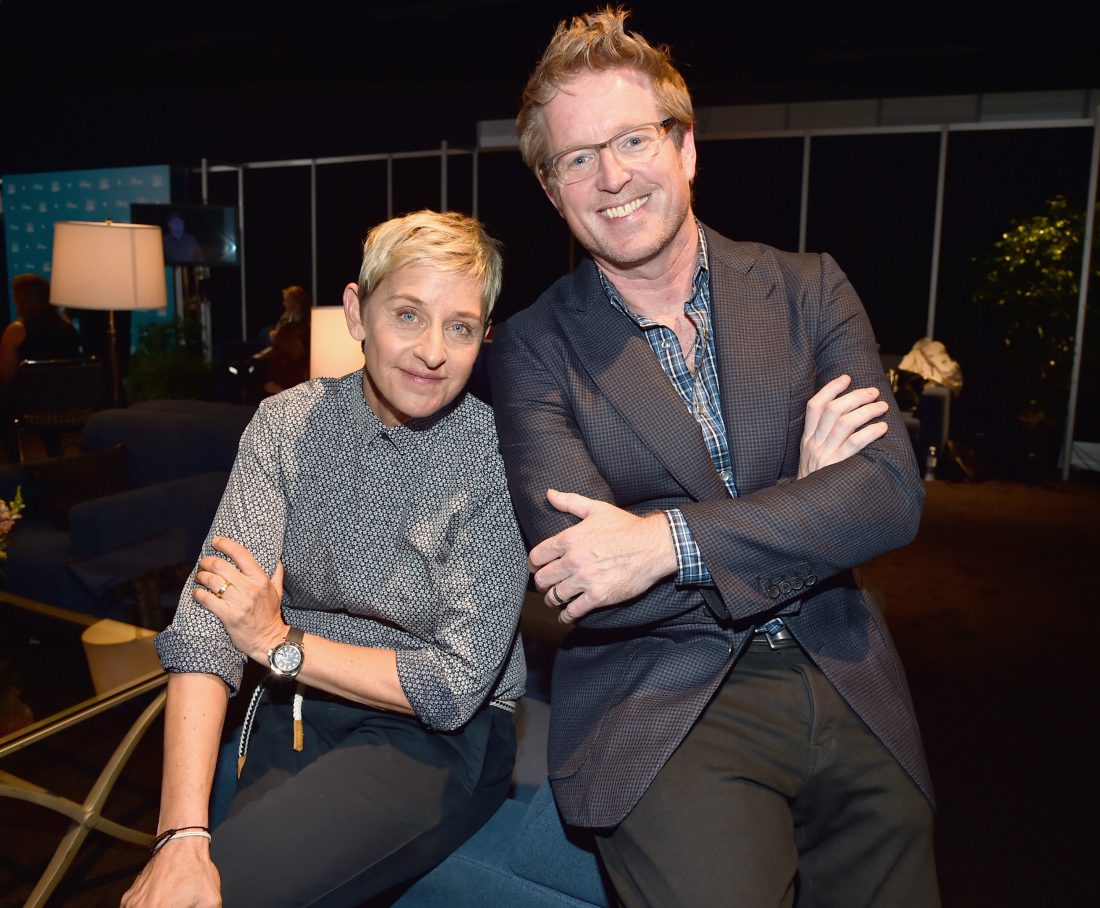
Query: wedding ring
[224, 587]
[561, 603]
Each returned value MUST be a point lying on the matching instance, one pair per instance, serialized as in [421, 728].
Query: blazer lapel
[752, 337]
[620, 361]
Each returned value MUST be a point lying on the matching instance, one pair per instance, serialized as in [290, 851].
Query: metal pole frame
[937, 236]
[240, 253]
[804, 202]
[1082, 297]
[443, 152]
[807, 137]
[313, 227]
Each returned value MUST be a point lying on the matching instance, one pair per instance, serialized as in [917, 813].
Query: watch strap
[293, 638]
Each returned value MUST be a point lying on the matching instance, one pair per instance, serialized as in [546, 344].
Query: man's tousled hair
[594, 42]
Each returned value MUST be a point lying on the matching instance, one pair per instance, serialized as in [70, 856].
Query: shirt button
[725, 475]
[665, 344]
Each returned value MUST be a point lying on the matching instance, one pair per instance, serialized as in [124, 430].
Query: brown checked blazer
[582, 405]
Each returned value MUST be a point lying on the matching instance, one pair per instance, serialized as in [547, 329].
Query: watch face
[286, 658]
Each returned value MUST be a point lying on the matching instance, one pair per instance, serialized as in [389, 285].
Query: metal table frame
[87, 816]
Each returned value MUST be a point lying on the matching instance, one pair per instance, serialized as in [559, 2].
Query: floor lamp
[333, 352]
[107, 266]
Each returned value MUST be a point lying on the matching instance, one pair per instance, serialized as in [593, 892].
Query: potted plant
[169, 363]
[1030, 293]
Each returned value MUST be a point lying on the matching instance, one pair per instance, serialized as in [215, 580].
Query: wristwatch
[286, 658]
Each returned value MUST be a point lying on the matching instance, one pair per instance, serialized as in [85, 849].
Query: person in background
[180, 247]
[729, 714]
[366, 552]
[288, 356]
[40, 331]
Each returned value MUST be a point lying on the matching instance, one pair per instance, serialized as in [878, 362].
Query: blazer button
[773, 592]
[796, 583]
[811, 580]
[784, 587]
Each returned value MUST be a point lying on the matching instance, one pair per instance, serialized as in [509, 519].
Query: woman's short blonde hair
[448, 241]
[595, 42]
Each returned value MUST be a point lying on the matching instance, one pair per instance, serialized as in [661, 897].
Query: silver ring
[561, 603]
[224, 587]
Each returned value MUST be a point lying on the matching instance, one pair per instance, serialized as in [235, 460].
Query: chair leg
[20, 450]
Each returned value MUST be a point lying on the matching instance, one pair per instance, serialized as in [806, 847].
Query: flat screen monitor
[193, 234]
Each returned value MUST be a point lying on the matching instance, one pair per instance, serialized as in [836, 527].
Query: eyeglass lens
[639, 143]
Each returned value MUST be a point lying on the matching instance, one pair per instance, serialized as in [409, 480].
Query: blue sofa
[136, 510]
[523, 857]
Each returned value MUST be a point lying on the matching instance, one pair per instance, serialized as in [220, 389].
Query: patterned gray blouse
[402, 538]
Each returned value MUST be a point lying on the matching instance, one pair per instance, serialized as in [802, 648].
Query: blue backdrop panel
[33, 201]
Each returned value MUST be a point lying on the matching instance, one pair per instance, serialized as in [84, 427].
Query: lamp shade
[103, 265]
[332, 350]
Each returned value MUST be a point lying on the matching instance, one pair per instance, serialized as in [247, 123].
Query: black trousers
[779, 796]
[373, 801]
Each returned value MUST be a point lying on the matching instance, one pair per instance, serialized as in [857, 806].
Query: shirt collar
[702, 272]
[407, 437]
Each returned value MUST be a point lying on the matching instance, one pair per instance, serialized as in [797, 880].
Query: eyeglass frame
[664, 127]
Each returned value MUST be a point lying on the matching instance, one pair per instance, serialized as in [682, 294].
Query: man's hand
[609, 557]
[836, 427]
[181, 874]
[243, 598]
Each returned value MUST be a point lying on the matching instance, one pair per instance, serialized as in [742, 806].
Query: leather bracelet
[182, 832]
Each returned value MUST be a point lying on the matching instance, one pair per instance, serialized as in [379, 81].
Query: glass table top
[46, 677]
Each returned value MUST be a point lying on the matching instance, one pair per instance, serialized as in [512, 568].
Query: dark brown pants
[372, 802]
[778, 796]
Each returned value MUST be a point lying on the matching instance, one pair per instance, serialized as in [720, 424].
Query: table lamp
[332, 351]
[108, 266]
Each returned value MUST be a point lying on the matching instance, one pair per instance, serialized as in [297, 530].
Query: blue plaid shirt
[700, 395]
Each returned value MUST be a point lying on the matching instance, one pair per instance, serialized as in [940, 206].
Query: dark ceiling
[114, 83]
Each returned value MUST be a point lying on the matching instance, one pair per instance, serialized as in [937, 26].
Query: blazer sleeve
[768, 547]
[543, 447]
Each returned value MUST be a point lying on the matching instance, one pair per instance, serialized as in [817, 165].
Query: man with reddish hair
[729, 714]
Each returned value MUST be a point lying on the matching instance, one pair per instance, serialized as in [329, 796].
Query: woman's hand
[836, 424]
[180, 875]
[240, 595]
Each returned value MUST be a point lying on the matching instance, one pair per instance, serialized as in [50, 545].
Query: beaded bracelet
[182, 832]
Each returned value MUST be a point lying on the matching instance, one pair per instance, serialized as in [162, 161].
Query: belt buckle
[780, 636]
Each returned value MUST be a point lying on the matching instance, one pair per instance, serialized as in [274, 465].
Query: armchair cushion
[142, 580]
[114, 521]
[544, 851]
[100, 573]
[167, 440]
[522, 857]
[67, 481]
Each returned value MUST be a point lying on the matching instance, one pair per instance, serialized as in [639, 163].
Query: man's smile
[621, 211]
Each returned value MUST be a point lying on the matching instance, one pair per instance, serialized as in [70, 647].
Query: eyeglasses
[639, 143]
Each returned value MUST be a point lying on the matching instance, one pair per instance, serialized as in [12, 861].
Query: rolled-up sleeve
[252, 512]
